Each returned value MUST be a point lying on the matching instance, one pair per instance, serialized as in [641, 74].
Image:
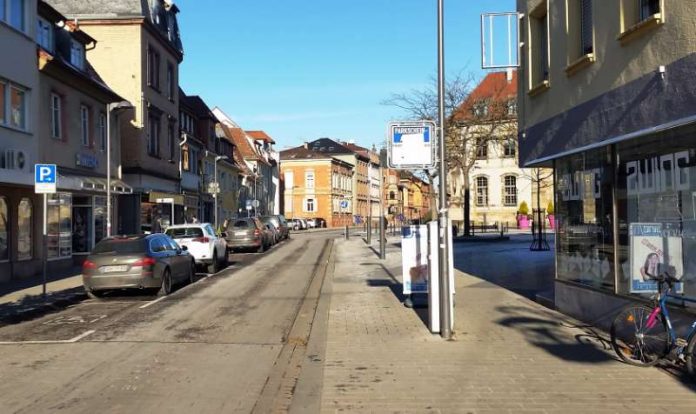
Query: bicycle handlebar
[665, 277]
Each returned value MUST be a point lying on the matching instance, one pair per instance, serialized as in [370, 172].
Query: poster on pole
[412, 145]
[656, 248]
[414, 259]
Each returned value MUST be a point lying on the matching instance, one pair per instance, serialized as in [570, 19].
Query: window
[84, 125]
[586, 41]
[481, 109]
[3, 91]
[102, 131]
[24, 230]
[170, 81]
[56, 116]
[648, 8]
[510, 191]
[18, 107]
[509, 148]
[309, 179]
[4, 231]
[539, 59]
[310, 205]
[481, 149]
[193, 160]
[12, 11]
[77, 54]
[153, 135]
[44, 34]
[512, 107]
[481, 191]
[185, 154]
[171, 137]
[153, 68]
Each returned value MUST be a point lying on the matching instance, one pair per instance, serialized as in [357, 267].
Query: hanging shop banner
[656, 248]
[414, 259]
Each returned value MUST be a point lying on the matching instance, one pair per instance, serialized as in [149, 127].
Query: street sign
[344, 204]
[412, 145]
[164, 200]
[45, 178]
[249, 204]
[213, 187]
[255, 203]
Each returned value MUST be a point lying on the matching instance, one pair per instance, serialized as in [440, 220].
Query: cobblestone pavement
[510, 354]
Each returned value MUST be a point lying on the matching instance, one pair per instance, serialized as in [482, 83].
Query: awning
[96, 184]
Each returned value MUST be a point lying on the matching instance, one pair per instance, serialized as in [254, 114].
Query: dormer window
[77, 54]
[44, 34]
[480, 109]
[512, 107]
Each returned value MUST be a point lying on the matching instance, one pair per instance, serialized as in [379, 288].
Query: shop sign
[86, 160]
[414, 259]
[663, 173]
[656, 248]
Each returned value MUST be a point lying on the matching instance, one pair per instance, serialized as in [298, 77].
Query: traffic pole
[45, 244]
[443, 256]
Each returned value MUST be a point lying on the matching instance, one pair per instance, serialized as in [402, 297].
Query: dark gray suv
[281, 224]
[247, 233]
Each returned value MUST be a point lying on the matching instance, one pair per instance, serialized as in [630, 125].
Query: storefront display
[59, 225]
[4, 230]
[24, 229]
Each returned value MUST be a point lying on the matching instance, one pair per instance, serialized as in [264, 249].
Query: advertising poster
[656, 248]
[414, 259]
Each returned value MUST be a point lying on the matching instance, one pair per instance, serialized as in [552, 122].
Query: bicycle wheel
[691, 356]
[634, 341]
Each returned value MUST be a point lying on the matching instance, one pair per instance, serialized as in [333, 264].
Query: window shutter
[586, 27]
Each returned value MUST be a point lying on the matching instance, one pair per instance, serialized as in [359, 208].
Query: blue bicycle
[644, 336]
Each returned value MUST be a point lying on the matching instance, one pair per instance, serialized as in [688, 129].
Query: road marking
[65, 341]
[153, 302]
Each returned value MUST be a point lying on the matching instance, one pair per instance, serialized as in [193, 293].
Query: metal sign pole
[445, 297]
[45, 242]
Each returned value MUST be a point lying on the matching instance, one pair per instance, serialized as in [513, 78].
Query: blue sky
[305, 69]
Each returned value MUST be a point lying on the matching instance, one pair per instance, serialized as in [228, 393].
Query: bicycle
[643, 336]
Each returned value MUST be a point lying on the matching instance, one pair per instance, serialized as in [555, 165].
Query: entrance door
[82, 230]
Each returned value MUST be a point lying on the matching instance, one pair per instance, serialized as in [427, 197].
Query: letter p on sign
[45, 178]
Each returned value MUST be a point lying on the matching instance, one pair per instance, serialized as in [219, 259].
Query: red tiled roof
[260, 136]
[236, 154]
[494, 87]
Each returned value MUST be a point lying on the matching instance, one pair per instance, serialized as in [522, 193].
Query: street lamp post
[217, 189]
[115, 107]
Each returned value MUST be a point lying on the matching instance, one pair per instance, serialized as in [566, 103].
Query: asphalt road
[208, 347]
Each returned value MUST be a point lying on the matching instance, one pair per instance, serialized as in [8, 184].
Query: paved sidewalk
[510, 354]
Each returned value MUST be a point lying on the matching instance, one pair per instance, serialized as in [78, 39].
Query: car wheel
[213, 266]
[225, 262]
[166, 283]
[192, 276]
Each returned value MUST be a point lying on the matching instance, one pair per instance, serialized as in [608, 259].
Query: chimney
[306, 145]
[509, 74]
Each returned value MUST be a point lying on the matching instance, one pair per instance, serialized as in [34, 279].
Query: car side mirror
[184, 248]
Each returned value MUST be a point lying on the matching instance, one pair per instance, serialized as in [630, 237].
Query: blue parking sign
[45, 178]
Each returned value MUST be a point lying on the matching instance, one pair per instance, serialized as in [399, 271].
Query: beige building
[20, 209]
[607, 98]
[138, 57]
[72, 132]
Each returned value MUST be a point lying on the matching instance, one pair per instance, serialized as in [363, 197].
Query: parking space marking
[65, 341]
[152, 302]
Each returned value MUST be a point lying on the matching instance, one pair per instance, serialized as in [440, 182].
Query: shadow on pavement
[32, 307]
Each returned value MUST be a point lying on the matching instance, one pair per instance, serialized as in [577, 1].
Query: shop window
[4, 230]
[481, 191]
[24, 230]
[59, 214]
[656, 200]
[510, 191]
[585, 240]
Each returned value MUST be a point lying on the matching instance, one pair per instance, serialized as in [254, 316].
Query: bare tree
[471, 124]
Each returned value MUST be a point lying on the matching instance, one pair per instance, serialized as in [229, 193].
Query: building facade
[316, 185]
[607, 98]
[74, 107]
[20, 208]
[145, 37]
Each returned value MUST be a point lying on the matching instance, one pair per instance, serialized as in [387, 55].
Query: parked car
[320, 222]
[281, 224]
[298, 224]
[247, 233]
[203, 244]
[311, 224]
[152, 261]
[274, 231]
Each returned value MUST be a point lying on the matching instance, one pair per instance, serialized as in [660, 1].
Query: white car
[202, 243]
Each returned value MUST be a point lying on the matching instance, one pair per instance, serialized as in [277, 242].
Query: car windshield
[121, 246]
[184, 232]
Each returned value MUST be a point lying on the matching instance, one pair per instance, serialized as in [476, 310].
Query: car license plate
[114, 269]
[239, 233]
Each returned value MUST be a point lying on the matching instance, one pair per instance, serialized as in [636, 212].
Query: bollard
[346, 232]
[369, 232]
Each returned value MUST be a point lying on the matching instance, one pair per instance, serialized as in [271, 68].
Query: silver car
[153, 261]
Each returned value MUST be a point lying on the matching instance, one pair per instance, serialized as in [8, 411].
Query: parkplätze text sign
[412, 145]
[45, 178]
